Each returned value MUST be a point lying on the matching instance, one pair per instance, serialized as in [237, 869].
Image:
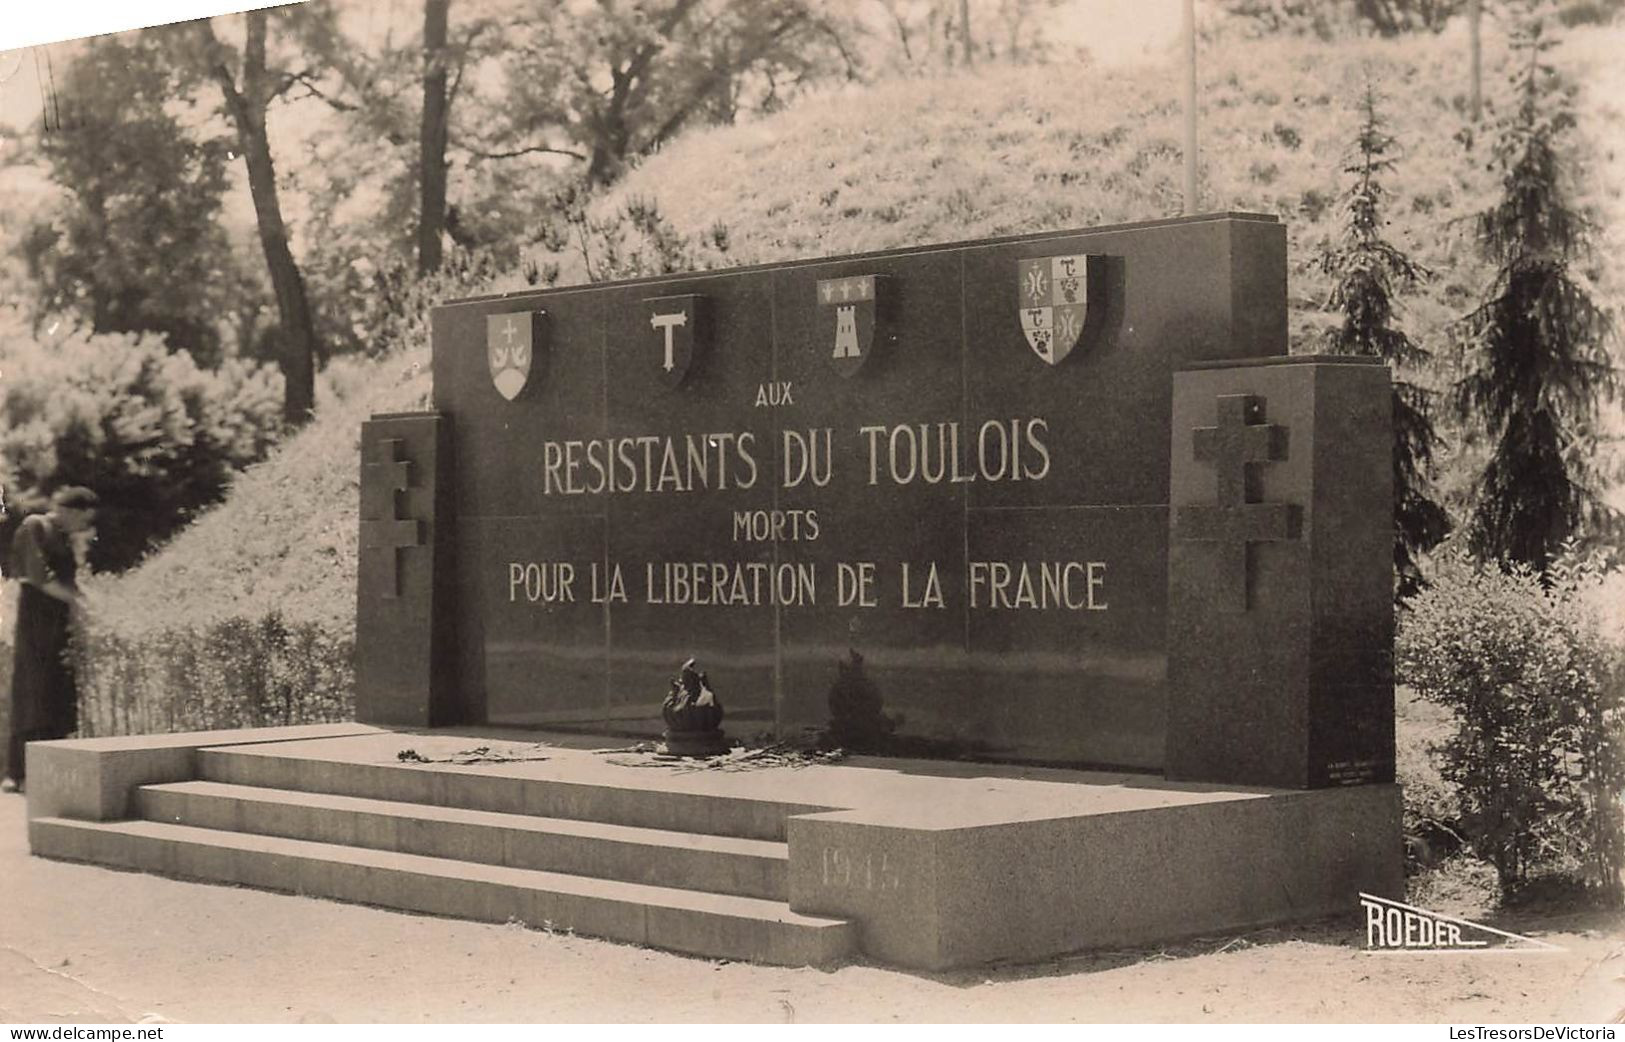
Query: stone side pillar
[1280, 574]
[404, 641]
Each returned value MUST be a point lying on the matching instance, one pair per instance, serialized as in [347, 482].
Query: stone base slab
[91, 779]
[934, 864]
[936, 895]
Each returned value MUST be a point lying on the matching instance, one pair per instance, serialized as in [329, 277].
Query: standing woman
[44, 702]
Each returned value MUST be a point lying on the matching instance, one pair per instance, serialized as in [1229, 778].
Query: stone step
[711, 925]
[472, 789]
[658, 857]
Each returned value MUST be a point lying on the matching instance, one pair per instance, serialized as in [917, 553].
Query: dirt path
[80, 943]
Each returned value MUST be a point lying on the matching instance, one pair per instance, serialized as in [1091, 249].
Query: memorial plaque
[953, 460]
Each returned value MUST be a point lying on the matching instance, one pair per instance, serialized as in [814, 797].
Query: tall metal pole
[964, 28]
[1190, 105]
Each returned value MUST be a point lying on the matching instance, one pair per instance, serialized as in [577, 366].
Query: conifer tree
[1368, 271]
[1537, 364]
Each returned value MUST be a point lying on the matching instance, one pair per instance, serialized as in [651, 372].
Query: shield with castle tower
[853, 302]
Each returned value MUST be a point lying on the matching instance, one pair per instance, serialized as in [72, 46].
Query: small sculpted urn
[693, 715]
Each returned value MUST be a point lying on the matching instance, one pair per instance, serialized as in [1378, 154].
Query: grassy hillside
[287, 535]
[1007, 151]
[1000, 151]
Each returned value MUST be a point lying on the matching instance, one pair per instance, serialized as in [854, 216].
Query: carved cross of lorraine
[382, 527]
[1236, 521]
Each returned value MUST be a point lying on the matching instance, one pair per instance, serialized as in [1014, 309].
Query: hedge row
[239, 672]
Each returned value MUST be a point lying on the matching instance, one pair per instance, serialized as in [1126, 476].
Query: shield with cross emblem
[512, 342]
[1054, 299]
[675, 333]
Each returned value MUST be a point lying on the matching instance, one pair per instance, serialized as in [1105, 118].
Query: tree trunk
[432, 139]
[298, 329]
[964, 28]
[611, 147]
[247, 106]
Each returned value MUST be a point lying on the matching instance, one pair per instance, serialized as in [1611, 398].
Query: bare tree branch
[313, 91]
[528, 150]
[289, 81]
[852, 65]
[462, 62]
[217, 57]
[720, 73]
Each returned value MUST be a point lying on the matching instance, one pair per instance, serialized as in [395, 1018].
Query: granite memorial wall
[956, 476]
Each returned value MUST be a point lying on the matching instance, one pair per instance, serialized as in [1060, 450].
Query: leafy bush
[154, 435]
[196, 676]
[1535, 675]
[238, 672]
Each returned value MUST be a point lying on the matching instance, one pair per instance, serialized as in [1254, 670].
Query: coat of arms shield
[675, 322]
[1054, 301]
[848, 309]
[512, 341]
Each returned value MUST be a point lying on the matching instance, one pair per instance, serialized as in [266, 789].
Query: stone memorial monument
[1059, 505]
[1066, 495]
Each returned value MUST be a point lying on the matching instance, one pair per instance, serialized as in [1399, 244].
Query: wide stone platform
[925, 864]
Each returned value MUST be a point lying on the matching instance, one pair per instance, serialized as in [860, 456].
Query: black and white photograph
[783, 512]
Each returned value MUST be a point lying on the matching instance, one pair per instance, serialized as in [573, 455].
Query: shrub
[237, 672]
[155, 436]
[179, 670]
[1535, 675]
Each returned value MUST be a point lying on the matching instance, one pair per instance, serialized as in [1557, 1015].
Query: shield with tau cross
[1053, 295]
[674, 324]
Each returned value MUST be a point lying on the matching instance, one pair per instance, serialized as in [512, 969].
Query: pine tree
[1538, 367]
[1367, 273]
